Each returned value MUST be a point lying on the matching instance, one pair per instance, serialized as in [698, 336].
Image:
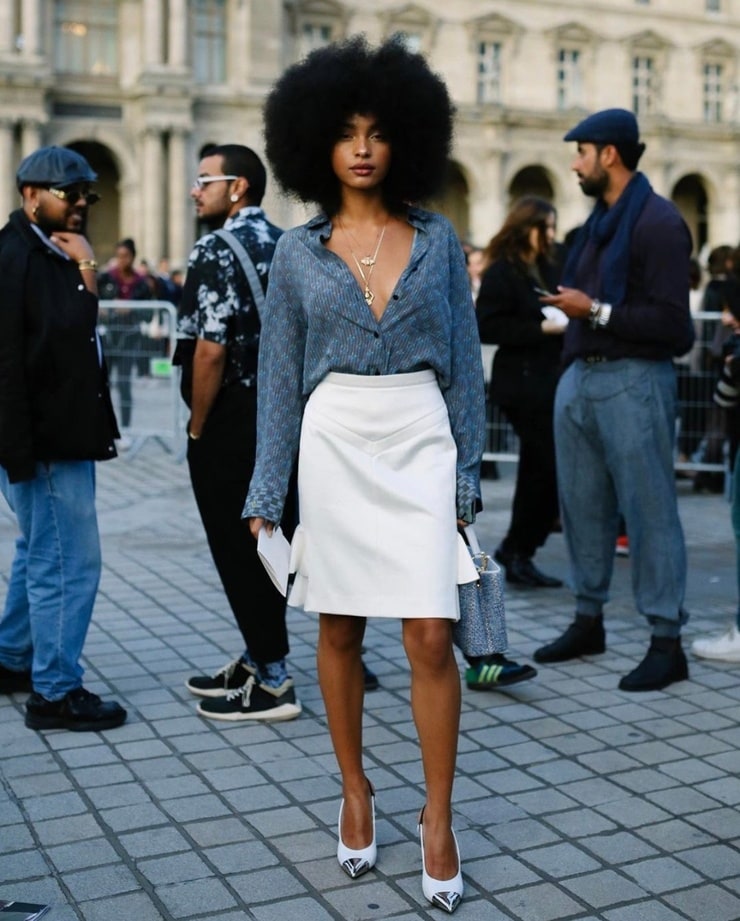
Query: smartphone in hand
[543, 292]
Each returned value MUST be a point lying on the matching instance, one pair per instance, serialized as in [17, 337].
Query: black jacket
[527, 361]
[54, 398]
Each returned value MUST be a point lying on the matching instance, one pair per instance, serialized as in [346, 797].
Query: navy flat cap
[610, 126]
[54, 166]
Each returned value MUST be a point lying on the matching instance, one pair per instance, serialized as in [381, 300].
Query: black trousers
[221, 462]
[535, 505]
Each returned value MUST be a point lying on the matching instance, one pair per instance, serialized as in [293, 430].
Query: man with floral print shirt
[218, 332]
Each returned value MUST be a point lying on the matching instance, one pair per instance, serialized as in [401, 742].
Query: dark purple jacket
[653, 322]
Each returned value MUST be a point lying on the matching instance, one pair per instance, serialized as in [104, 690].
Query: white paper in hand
[552, 312]
[274, 551]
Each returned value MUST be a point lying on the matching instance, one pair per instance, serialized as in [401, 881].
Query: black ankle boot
[663, 664]
[584, 637]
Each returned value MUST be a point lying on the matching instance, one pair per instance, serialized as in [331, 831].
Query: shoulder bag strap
[246, 263]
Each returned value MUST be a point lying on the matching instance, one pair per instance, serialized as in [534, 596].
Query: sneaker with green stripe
[496, 671]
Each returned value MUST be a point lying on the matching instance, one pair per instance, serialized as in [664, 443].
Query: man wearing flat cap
[625, 288]
[56, 420]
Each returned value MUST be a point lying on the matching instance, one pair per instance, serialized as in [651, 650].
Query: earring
[234, 198]
[35, 210]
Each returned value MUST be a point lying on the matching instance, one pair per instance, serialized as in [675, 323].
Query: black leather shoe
[370, 678]
[78, 710]
[13, 682]
[584, 637]
[521, 570]
[663, 664]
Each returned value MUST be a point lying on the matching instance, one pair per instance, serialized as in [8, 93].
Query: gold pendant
[368, 261]
[369, 297]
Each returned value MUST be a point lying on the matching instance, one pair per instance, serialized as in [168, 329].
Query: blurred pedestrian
[526, 366]
[123, 338]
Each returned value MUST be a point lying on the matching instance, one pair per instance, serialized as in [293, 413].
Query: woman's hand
[256, 525]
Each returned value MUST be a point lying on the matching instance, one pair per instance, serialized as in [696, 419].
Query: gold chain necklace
[367, 261]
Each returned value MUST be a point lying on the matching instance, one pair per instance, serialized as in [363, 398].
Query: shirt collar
[241, 214]
[46, 241]
[321, 222]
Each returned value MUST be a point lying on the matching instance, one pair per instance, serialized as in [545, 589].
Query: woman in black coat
[521, 267]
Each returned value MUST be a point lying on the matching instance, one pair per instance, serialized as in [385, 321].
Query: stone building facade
[140, 86]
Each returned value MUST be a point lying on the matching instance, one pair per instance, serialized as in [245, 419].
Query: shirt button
[376, 335]
[395, 297]
[80, 287]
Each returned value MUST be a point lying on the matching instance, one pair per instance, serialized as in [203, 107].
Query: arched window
[86, 37]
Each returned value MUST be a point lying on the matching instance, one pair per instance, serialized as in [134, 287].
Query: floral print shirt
[217, 304]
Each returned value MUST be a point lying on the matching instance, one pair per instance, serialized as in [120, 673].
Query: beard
[595, 185]
[72, 223]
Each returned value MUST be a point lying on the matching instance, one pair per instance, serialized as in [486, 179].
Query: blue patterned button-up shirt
[316, 320]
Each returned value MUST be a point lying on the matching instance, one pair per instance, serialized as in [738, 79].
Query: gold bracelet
[87, 264]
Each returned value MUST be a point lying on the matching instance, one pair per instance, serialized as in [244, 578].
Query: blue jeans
[615, 426]
[54, 577]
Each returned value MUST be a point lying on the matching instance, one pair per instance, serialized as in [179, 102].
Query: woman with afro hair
[370, 362]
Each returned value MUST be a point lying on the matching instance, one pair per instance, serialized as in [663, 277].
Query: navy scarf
[610, 230]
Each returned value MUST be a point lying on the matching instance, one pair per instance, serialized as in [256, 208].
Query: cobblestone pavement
[573, 800]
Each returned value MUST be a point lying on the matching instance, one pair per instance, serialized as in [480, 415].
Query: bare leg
[342, 687]
[435, 704]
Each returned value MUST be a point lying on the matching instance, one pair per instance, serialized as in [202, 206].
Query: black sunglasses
[73, 193]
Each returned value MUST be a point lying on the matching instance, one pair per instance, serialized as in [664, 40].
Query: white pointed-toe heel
[444, 893]
[354, 861]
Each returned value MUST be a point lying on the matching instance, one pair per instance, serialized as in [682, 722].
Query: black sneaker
[232, 677]
[13, 682]
[496, 671]
[254, 702]
[78, 710]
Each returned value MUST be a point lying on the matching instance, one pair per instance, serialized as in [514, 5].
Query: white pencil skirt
[376, 484]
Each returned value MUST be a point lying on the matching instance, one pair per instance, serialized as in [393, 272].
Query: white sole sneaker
[725, 648]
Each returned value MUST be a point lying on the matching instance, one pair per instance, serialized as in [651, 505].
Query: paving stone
[15, 838]
[543, 902]
[175, 868]
[200, 897]
[662, 874]
[261, 885]
[674, 835]
[230, 859]
[618, 847]
[100, 882]
[652, 911]
[22, 865]
[705, 902]
[604, 887]
[133, 905]
[560, 860]
[82, 854]
[715, 862]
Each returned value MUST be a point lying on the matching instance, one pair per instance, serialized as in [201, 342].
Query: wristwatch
[598, 314]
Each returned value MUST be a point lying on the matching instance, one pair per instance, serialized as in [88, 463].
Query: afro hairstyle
[308, 106]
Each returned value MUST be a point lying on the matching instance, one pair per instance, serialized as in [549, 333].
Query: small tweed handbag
[481, 630]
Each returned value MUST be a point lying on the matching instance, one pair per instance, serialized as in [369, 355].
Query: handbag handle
[471, 538]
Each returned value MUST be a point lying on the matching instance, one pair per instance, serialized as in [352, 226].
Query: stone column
[30, 137]
[153, 26]
[180, 216]
[7, 27]
[30, 27]
[152, 195]
[178, 34]
[9, 198]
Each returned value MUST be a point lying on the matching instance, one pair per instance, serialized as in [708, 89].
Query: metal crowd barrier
[700, 426]
[138, 342]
